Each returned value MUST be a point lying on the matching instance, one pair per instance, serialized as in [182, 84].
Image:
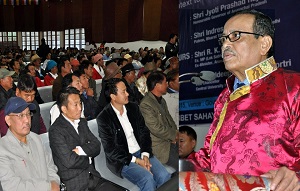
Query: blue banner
[201, 24]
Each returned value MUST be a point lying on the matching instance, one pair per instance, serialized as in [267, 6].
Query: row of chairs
[100, 161]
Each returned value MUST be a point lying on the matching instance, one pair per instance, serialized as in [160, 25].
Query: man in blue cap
[24, 163]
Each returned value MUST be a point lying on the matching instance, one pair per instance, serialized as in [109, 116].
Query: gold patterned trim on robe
[261, 70]
[253, 74]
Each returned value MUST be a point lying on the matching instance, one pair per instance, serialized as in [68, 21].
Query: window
[30, 40]
[52, 38]
[75, 38]
[8, 39]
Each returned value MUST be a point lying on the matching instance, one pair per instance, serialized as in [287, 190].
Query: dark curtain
[106, 20]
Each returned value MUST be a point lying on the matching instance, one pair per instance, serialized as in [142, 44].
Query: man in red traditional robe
[256, 130]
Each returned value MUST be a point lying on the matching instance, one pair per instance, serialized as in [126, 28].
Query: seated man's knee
[162, 177]
[147, 182]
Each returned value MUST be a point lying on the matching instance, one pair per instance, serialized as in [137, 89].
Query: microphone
[199, 78]
[207, 75]
[197, 81]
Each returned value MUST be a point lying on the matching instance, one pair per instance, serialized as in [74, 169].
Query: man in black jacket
[126, 140]
[172, 47]
[73, 145]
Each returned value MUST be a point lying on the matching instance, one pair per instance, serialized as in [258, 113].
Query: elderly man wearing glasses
[256, 128]
[24, 163]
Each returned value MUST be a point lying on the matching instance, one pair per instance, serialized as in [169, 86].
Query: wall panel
[103, 20]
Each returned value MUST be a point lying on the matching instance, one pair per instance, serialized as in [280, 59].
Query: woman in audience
[51, 76]
[15, 66]
[30, 69]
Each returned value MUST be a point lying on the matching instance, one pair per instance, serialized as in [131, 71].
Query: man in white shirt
[126, 140]
[70, 80]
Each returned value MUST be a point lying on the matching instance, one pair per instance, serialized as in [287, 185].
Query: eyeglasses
[234, 36]
[22, 115]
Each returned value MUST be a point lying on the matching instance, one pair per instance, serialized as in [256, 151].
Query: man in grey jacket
[162, 127]
[24, 163]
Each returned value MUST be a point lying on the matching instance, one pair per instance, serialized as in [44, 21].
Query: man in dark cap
[129, 78]
[6, 84]
[24, 163]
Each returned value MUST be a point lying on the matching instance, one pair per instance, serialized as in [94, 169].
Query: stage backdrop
[201, 24]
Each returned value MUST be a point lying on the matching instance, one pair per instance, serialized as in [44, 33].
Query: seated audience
[45, 63]
[52, 74]
[172, 95]
[75, 64]
[30, 69]
[73, 146]
[36, 61]
[141, 82]
[136, 63]
[69, 80]
[171, 64]
[122, 62]
[20, 58]
[112, 70]
[162, 127]
[15, 66]
[81, 58]
[24, 163]
[187, 142]
[87, 99]
[3, 62]
[106, 55]
[98, 69]
[64, 68]
[129, 78]
[87, 68]
[128, 152]
[6, 86]
[26, 90]
[157, 60]
[128, 57]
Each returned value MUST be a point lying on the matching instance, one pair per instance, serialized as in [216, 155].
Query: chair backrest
[45, 113]
[45, 93]
[45, 140]
[98, 86]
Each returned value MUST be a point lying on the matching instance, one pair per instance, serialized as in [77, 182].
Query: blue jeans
[142, 177]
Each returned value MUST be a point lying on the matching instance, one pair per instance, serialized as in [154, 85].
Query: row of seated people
[93, 69]
[71, 110]
[33, 94]
[45, 68]
[136, 89]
